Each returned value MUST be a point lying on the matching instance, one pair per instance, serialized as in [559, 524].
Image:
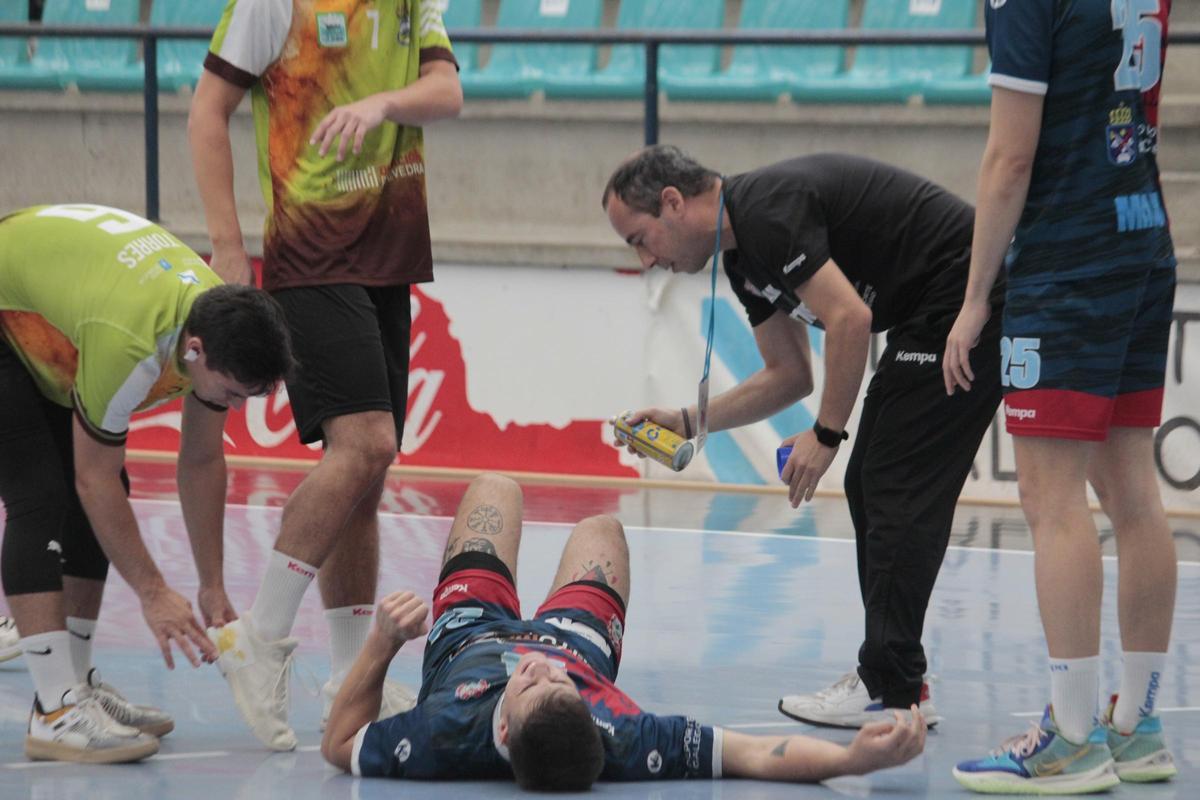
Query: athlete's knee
[606, 526]
[364, 447]
[497, 487]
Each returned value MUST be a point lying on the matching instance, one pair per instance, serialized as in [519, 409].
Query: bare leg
[82, 597]
[358, 450]
[349, 575]
[1122, 473]
[1052, 475]
[38, 612]
[597, 552]
[488, 521]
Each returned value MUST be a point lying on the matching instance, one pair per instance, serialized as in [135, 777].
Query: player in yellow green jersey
[103, 314]
[340, 89]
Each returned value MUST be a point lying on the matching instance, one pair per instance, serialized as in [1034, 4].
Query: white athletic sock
[1075, 695]
[81, 631]
[279, 595]
[1140, 677]
[48, 656]
[348, 629]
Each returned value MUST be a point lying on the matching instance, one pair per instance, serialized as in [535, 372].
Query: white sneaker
[846, 704]
[82, 731]
[257, 672]
[146, 719]
[10, 640]
[397, 698]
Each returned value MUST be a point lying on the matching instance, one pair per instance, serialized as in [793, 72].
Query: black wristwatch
[828, 436]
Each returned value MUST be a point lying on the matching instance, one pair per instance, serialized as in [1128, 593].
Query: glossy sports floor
[736, 600]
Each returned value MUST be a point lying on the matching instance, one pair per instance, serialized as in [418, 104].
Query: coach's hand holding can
[654, 441]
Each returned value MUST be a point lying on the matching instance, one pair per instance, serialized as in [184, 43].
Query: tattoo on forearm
[478, 546]
[486, 519]
[778, 751]
[593, 571]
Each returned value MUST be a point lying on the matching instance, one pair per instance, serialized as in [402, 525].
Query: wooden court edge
[586, 481]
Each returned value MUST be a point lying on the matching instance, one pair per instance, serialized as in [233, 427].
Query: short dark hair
[640, 179]
[557, 746]
[245, 335]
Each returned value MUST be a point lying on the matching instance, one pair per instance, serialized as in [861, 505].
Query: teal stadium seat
[518, 70]
[180, 61]
[625, 74]
[85, 63]
[14, 50]
[464, 14]
[970, 89]
[764, 72]
[894, 73]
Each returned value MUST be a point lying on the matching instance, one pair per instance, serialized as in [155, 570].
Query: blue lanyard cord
[712, 302]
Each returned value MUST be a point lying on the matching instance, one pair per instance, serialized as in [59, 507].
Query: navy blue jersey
[1095, 202]
[449, 734]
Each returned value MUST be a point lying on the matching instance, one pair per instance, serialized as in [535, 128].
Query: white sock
[348, 629]
[1075, 695]
[279, 595]
[48, 656]
[81, 631]
[1140, 677]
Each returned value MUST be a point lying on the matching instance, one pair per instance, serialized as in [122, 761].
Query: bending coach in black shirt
[851, 246]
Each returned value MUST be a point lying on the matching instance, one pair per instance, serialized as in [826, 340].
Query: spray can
[654, 441]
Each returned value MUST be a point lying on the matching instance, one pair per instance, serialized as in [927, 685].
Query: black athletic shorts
[351, 343]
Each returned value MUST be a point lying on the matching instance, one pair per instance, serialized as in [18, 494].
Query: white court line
[159, 757]
[1179, 709]
[748, 534]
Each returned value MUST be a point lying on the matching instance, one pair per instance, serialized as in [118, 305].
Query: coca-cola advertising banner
[519, 369]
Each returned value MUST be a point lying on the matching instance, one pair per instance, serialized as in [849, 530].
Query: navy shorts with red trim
[476, 598]
[1081, 356]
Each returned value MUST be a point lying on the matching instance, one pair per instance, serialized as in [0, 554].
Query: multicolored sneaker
[846, 704]
[10, 640]
[397, 698]
[82, 731]
[1041, 761]
[1140, 756]
[146, 719]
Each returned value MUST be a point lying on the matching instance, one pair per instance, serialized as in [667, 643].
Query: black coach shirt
[898, 238]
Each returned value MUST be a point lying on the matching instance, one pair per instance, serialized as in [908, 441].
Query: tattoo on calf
[478, 546]
[486, 519]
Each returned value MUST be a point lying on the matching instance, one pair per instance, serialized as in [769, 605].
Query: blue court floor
[736, 600]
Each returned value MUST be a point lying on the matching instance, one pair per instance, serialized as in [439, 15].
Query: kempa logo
[1020, 413]
[918, 358]
[294, 567]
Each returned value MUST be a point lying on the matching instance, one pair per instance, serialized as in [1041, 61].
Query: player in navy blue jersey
[534, 699]
[1070, 178]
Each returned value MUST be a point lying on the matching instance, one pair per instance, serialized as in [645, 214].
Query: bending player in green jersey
[103, 314]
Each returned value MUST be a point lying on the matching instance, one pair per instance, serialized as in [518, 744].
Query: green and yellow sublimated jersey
[93, 300]
[363, 220]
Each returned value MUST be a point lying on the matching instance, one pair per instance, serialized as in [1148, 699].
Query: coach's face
[672, 240]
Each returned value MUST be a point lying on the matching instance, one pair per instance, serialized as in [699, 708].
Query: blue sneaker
[1141, 756]
[1041, 761]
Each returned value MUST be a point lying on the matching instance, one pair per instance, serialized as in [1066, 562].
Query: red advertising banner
[441, 429]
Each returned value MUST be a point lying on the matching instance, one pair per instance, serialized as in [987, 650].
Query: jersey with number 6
[93, 300]
[361, 220]
[1095, 203]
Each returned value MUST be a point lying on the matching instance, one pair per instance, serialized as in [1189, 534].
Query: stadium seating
[625, 74]
[14, 50]
[180, 61]
[894, 73]
[764, 72]
[84, 63]
[517, 70]
[464, 14]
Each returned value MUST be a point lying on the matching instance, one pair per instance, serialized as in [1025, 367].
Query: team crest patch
[331, 29]
[469, 691]
[1122, 144]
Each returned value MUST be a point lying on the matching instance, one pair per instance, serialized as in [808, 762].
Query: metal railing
[651, 40]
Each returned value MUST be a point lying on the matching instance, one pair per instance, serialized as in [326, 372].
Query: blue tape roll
[781, 457]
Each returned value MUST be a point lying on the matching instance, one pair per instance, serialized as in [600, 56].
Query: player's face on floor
[663, 241]
[535, 677]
